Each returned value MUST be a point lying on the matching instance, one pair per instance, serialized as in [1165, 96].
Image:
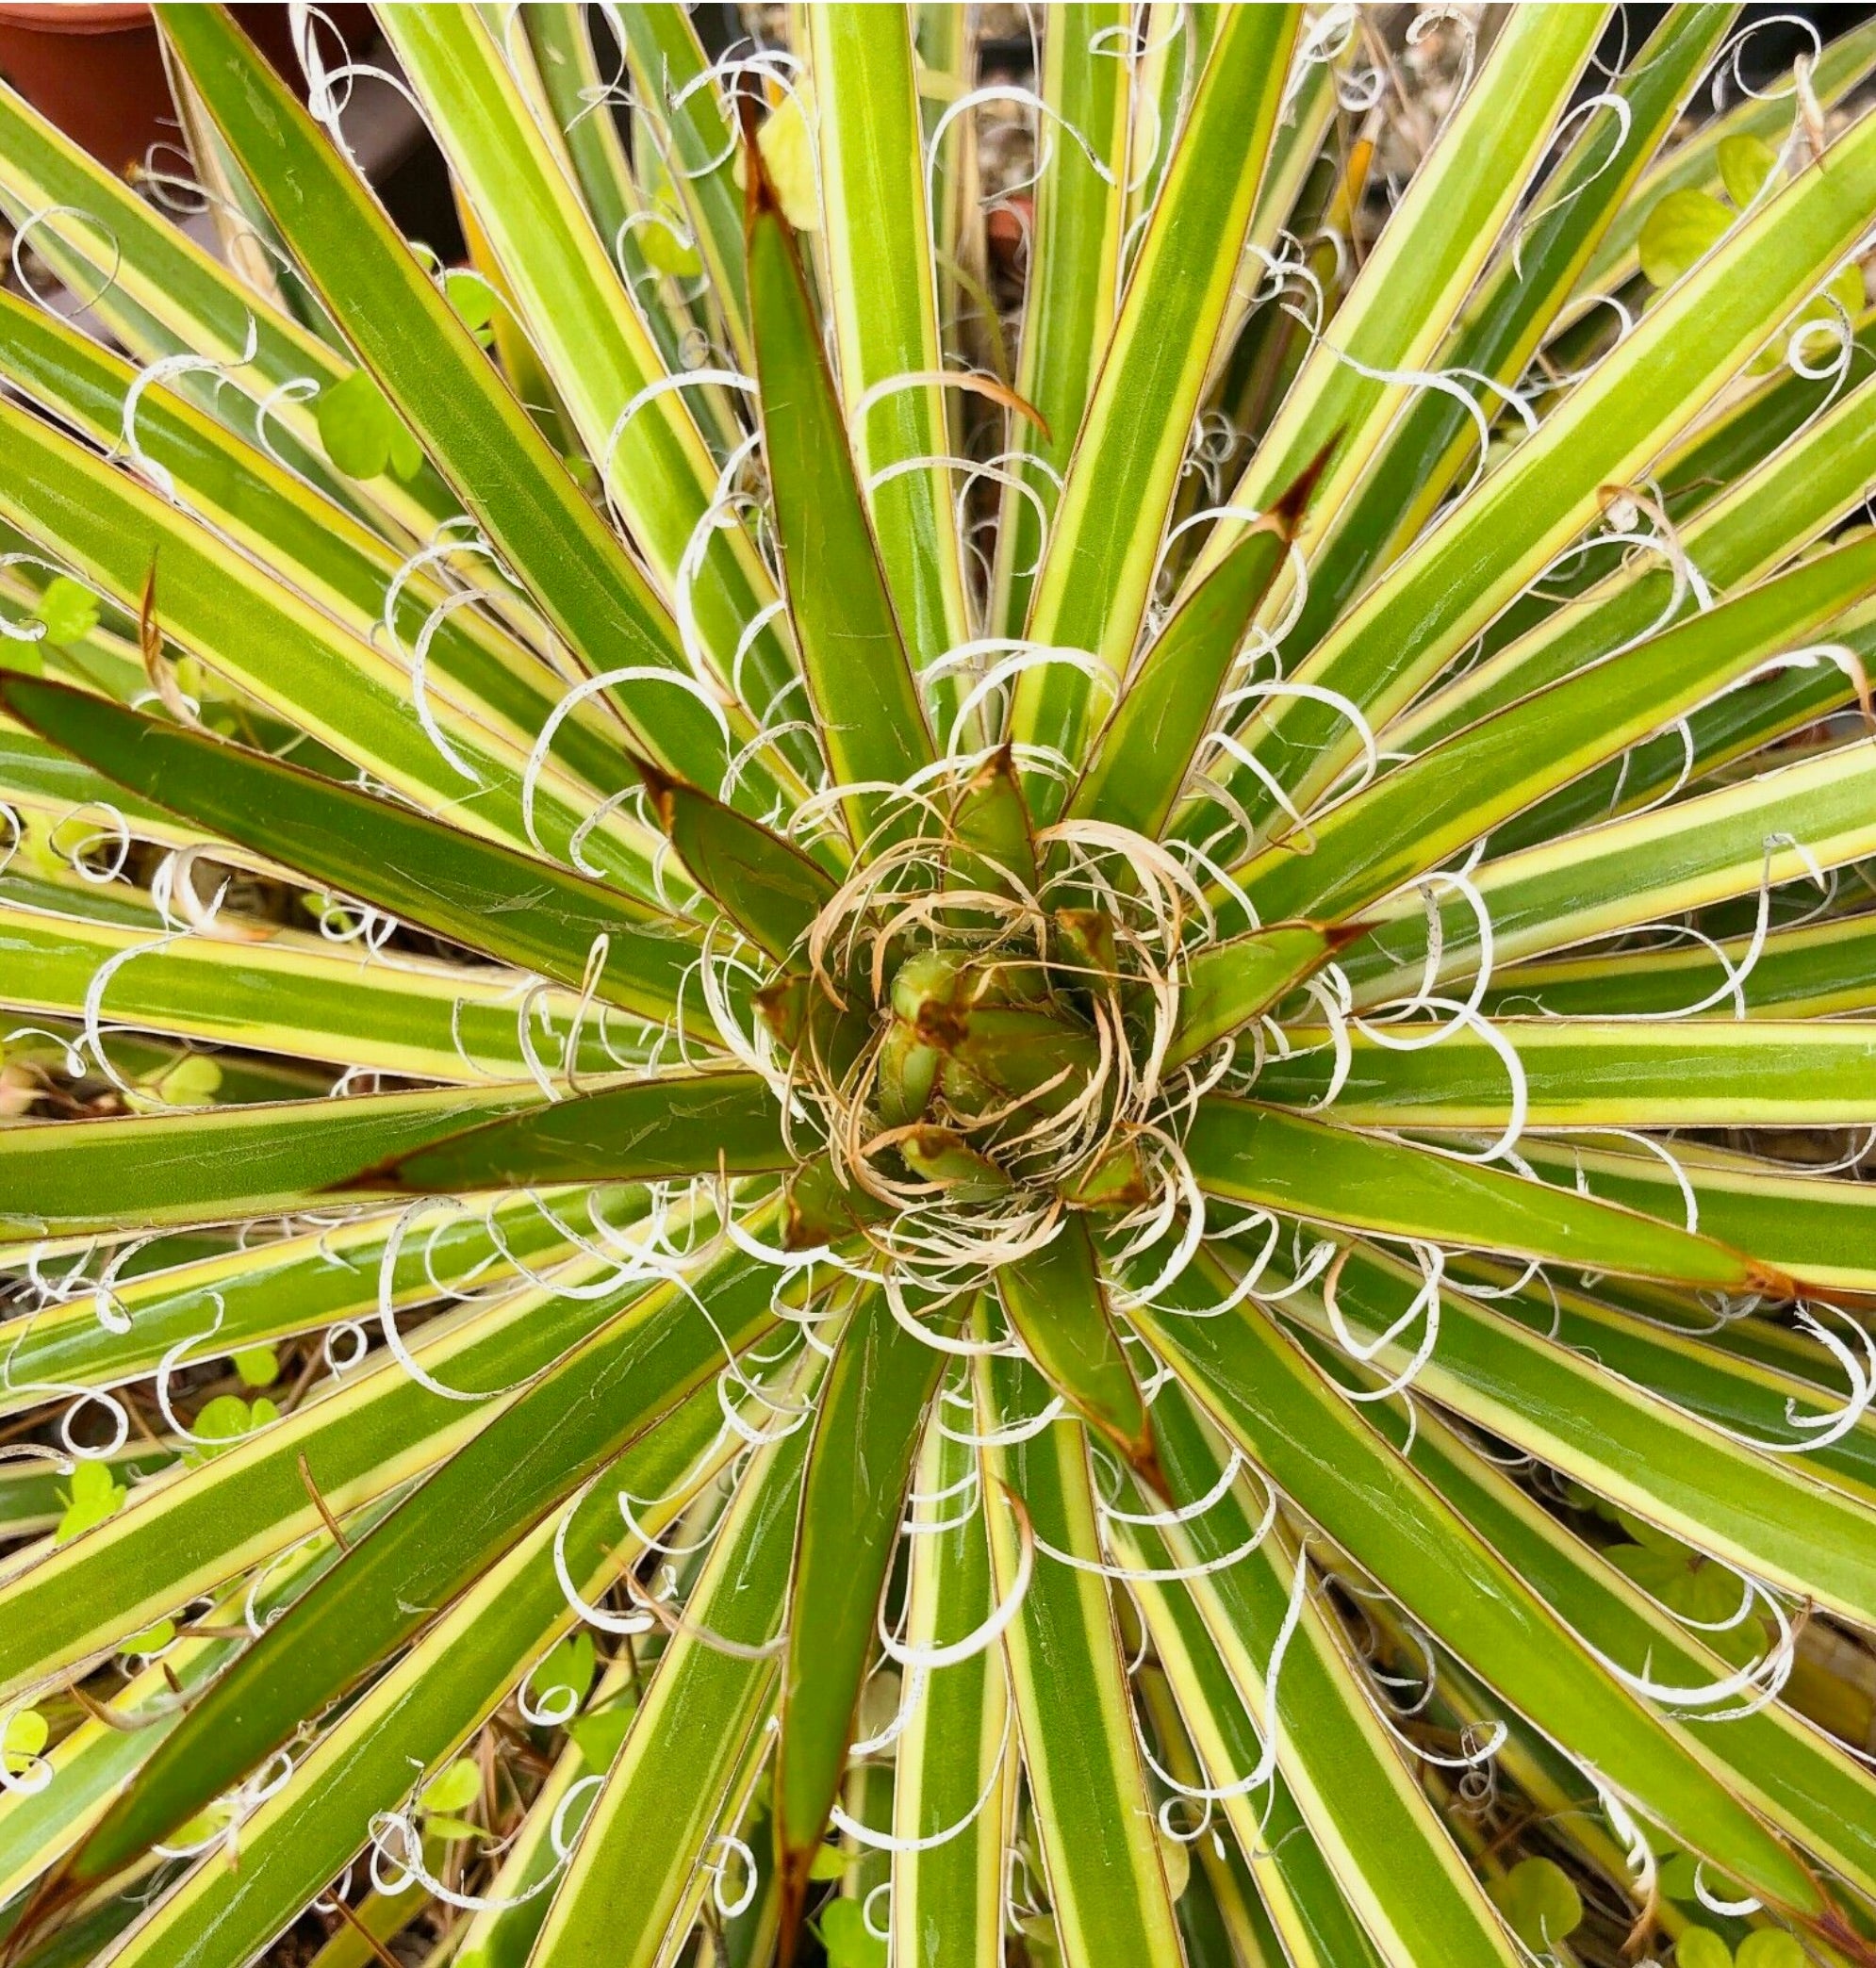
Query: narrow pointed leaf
[1419, 274]
[533, 914]
[853, 655]
[1091, 591]
[678, 1123]
[1093, 1821]
[574, 1421]
[653, 462]
[1758, 1512]
[1332, 1175]
[1240, 1684]
[768, 888]
[219, 1164]
[701, 1716]
[956, 1760]
[418, 1714]
[1318, 1450]
[1440, 802]
[1476, 557]
[869, 1417]
[1643, 869]
[1144, 752]
[429, 366]
[882, 292]
[1074, 275]
[1586, 1073]
[1056, 1302]
[1227, 984]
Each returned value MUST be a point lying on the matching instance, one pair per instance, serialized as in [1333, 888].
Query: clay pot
[97, 70]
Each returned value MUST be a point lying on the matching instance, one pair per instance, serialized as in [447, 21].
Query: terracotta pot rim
[101, 17]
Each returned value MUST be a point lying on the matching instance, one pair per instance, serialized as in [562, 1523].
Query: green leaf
[641, 435]
[1142, 756]
[955, 1751]
[1642, 869]
[569, 1669]
[1437, 436]
[1093, 1821]
[490, 898]
[831, 1863]
[363, 436]
[1745, 161]
[1227, 984]
[1055, 1301]
[68, 607]
[442, 386]
[1457, 576]
[224, 1420]
[1680, 231]
[562, 1428]
[472, 298]
[870, 1412]
[1314, 1446]
[1768, 1948]
[767, 887]
[1091, 593]
[416, 1717]
[454, 1789]
[1279, 1160]
[1764, 1514]
[92, 1496]
[152, 1640]
[680, 1123]
[1073, 292]
[1426, 811]
[1419, 272]
[1679, 1871]
[883, 300]
[1596, 1072]
[599, 1732]
[705, 1710]
[1701, 1947]
[257, 1366]
[26, 1734]
[853, 655]
[850, 1941]
[223, 1162]
[1540, 1902]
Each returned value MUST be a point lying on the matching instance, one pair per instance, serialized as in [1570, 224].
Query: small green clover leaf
[194, 1081]
[452, 1790]
[1768, 1948]
[568, 1666]
[850, 1941]
[1682, 229]
[257, 1366]
[831, 1863]
[363, 436]
[1539, 1902]
[598, 1733]
[225, 1419]
[26, 1734]
[94, 1494]
[1745, 163]
[473, 301]
[68, 607]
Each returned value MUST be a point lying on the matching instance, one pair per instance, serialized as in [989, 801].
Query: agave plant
[950, 1041]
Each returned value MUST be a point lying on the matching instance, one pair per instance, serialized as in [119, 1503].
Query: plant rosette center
[967, 1060]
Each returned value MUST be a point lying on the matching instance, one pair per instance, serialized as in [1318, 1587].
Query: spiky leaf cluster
[951, 1042]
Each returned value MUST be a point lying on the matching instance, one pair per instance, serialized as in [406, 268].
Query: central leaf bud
[970, 1037]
